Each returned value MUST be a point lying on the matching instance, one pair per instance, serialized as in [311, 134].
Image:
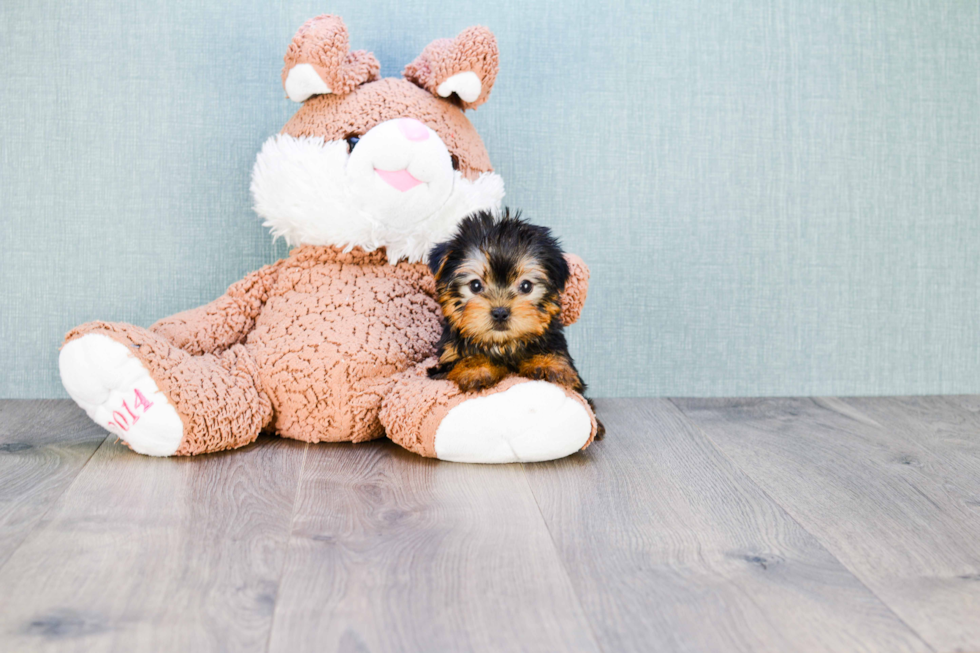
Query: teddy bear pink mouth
[401, 180]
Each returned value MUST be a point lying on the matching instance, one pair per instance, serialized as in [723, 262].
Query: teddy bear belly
[327, 370]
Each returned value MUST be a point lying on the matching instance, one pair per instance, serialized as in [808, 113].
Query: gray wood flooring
[697, 525]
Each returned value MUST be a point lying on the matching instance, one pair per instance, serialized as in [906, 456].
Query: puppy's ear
[437, 258]
[319, 61]
[465, 66]
[563, 271]
[555, 261]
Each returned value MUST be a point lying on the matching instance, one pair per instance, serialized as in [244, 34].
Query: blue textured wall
[775, 196]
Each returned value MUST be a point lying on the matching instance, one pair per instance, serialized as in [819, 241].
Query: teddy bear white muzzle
[400, 169]
[395, 188]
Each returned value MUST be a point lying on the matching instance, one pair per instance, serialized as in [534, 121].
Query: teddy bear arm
[224, 322]
[576, 290]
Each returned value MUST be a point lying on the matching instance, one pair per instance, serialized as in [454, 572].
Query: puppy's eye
[455, 160]
[525, 287]
[476, 287]
[352, 142]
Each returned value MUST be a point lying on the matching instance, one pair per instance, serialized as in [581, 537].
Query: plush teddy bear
[331, 344]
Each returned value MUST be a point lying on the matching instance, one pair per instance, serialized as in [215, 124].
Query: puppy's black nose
[500, 313]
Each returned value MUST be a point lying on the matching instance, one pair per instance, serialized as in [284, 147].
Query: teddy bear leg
[517, 420]
[159, 399]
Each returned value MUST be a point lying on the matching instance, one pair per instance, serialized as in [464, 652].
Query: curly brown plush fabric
[474, 50]
[332, 118]
[218, 396]
[323, 346]
[225, 321]
[322, 42]
[328, 345]
[576, 290]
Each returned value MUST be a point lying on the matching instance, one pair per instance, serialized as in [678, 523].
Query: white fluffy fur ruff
[300, 187]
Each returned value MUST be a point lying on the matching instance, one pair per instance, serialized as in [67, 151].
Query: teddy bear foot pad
[529, 422]
[117, 392]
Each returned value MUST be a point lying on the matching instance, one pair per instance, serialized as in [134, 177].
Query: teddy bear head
[370, 162]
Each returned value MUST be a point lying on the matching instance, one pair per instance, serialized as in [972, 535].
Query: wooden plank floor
[697, 525]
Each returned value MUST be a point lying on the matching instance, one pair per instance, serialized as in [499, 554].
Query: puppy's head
[499, 280]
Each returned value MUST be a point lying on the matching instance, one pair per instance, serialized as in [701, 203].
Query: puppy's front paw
[551, 368]
[475, 374]
[473, 380]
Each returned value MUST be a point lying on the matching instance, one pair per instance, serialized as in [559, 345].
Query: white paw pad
[529, 422]
[117, 392]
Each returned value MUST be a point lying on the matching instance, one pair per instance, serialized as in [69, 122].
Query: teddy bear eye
[525, 287]
[455, 160]
[352, 142]
[476, 287]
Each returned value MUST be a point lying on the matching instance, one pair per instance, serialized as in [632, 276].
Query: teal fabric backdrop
[775, 196]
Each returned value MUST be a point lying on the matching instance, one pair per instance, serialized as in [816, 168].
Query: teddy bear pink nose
[412, 129]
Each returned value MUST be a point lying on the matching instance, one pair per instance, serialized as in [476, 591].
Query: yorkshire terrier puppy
[499, 282]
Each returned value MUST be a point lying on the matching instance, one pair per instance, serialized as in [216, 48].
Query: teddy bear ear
[465, 66]
[319, 61]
